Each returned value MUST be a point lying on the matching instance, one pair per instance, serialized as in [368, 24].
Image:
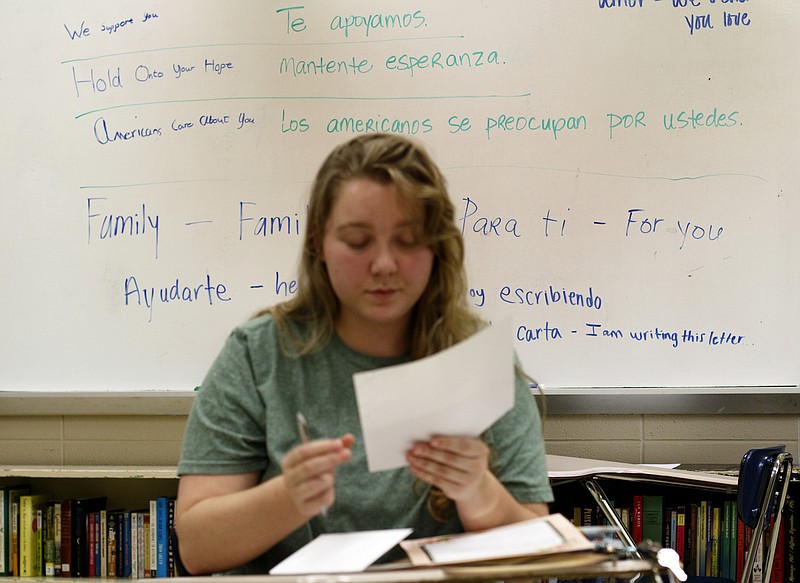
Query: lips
[382, 294]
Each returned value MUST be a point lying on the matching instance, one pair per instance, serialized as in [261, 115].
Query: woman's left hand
[455, 465]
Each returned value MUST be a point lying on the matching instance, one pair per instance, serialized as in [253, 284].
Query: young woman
[381, 282]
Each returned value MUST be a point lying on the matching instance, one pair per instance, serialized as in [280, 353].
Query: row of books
[42, 537]
[708, 535]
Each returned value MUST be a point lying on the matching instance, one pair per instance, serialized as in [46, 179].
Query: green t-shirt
[243, 420]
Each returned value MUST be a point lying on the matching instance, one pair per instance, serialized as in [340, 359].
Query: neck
[375, 340]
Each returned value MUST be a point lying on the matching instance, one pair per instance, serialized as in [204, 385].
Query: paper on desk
[342, 552]
[531, 539]
[461, 390]
[518, 539]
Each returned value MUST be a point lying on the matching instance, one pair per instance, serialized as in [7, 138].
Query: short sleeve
[518, 453]
[225, 432]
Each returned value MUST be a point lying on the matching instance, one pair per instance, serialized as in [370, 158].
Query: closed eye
[356, 242]
[409, 240]
[410, 236]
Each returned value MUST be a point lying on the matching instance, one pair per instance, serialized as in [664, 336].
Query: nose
[384, 261]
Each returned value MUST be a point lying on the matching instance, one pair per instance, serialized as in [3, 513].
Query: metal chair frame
[772, 478]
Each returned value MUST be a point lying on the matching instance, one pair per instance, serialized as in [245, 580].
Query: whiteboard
[625, 172]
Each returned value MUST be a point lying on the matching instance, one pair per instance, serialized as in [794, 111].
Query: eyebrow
[366, 226]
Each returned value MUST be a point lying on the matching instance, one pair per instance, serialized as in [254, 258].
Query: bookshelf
[660, 506]
[130, 488]
[589, 490]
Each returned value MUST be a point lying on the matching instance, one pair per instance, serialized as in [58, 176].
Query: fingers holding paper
[456, 465]
[309, 472]
[459, 467]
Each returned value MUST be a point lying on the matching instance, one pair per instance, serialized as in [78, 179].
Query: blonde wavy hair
[442, 316]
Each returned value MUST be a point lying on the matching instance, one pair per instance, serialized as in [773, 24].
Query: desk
[542, 570]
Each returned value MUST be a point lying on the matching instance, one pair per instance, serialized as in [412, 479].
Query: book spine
[4, 522]
[49, 542]
[667, 540]
[91, 539]
[30, 541]
[791, 542]
[142, 548]
[778, 563]
[725, 542]
[134, 545]
[745, 534]
[66, 537]
[170, 550]
[103, 543]
[652, 518]
[112, 545]
[587, 516]
[758, 565]
[15, 539]
[153, 538]
[146, 545]
[691, 553]
[709, 538]
[734, 542]
[95, 548]
[78, 541]
[637, 509]
[25, 538]
[120, 543]
[673, 529]
[57, 539]
[126, 544]
[38, 541]
[11, 526]
[161, 545]
[701, 538]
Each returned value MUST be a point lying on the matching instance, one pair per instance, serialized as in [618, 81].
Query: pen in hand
[305, 437]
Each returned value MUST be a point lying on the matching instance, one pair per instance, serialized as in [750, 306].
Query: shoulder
[266, 330]
[258, 336]
[257, 329]
[232, 383]
[237, 366]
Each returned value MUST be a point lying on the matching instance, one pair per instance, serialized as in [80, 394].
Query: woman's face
[376, 260]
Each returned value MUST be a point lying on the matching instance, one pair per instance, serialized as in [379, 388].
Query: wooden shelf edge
[84, 472]
[96, 403]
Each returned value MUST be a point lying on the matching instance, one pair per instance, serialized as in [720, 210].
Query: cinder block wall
[690, 439]
[120, 434]
[86, 440]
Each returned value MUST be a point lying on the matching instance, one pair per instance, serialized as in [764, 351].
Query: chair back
[764, 475]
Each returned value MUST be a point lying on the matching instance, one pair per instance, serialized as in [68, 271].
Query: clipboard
[525, 541]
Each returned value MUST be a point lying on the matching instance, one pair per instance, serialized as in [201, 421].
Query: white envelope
[341, 552]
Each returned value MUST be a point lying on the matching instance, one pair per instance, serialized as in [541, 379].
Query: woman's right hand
[309, 472]
[207, 502]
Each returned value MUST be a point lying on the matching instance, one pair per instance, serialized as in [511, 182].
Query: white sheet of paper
[522, 538]
[461, 390]
[344, 552]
